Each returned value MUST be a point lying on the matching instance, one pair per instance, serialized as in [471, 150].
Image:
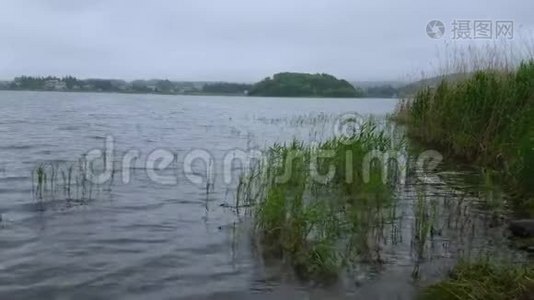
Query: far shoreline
[192, 94]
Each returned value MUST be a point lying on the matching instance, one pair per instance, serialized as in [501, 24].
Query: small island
[305, 85]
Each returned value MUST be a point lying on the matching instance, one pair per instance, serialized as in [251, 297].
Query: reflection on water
[144, 239]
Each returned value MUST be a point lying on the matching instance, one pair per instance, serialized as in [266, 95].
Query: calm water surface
[145, 240]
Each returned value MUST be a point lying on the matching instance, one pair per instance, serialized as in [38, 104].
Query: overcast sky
[234, 40]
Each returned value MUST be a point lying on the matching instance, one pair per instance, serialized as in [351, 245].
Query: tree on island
[305, 85]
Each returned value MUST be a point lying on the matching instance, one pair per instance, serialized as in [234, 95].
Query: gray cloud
[232, 40]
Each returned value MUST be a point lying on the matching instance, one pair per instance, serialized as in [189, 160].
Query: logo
[435, 29]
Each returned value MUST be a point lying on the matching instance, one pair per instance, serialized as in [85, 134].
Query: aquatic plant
[319, 224]
[485, 119]
[484, 280]
[68, 181]
[424, 216]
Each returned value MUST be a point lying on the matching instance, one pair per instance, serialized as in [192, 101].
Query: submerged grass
[319, 224]
[484, 281]
[486, 119]
[69, 181]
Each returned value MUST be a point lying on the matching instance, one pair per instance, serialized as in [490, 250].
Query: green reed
[423, 219]
[486, 119]
[319, 225]
[67, 181]
[484, 280]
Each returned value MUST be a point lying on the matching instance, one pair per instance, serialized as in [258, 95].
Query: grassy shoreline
[486, 120]
[484, 280]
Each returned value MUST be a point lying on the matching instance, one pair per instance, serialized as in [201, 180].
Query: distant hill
[73, 84]
[396, 89]
[382, 91]
[412, 88]
[226, 88]
[373, 84]
[379, 89]
[304, 85]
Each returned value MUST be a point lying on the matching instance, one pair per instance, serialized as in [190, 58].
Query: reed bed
[66, 181]
[486, 119]
[484, 280]
[481, 112]
[315, 225]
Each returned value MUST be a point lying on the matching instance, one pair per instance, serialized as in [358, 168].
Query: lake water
[147, 239]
